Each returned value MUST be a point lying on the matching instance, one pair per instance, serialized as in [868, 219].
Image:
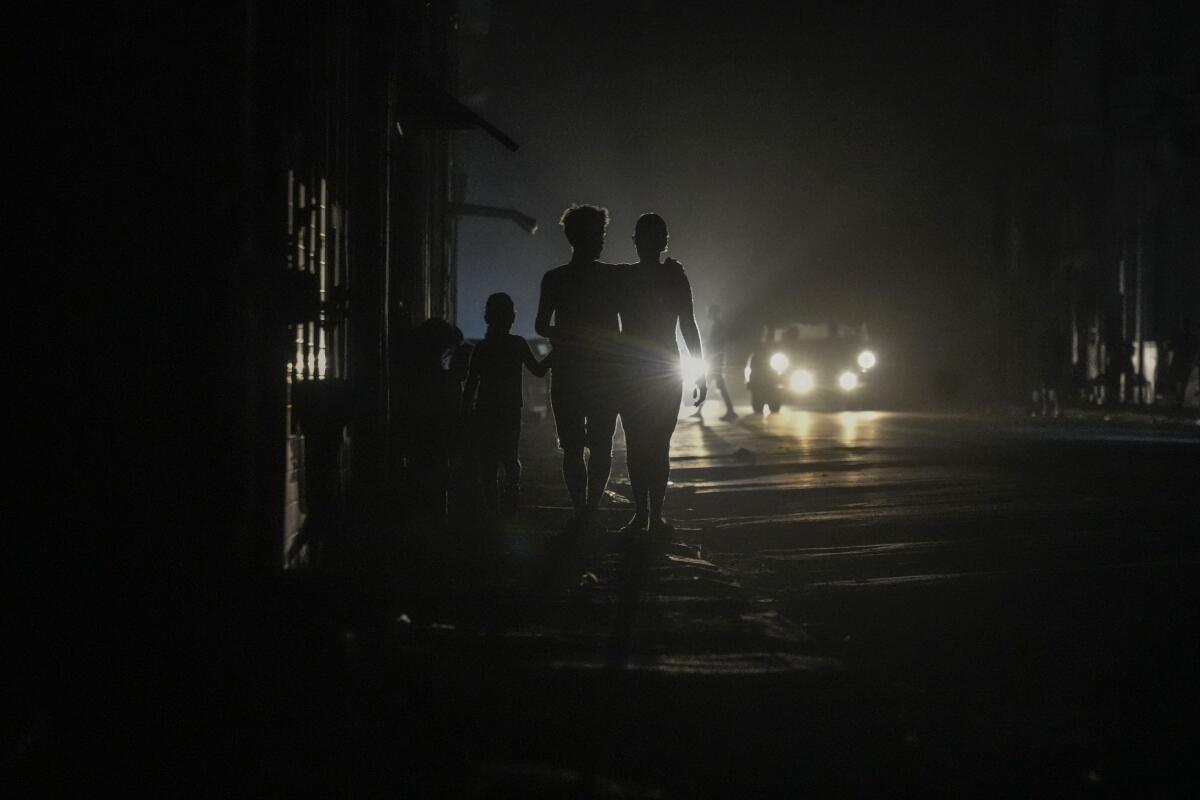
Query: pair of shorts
[585, 407]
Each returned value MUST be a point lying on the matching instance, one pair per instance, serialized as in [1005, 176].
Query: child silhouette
[492, 398]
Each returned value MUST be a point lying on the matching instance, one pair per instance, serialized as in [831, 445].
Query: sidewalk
[1124, 416]
[1143, 415]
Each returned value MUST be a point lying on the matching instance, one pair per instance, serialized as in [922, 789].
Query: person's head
[650, 236]
[499, 313]
[714, 312]
[584, 227]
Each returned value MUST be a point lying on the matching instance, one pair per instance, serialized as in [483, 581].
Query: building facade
[1097, 251]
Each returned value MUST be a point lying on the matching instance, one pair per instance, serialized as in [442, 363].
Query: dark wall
[152, 331]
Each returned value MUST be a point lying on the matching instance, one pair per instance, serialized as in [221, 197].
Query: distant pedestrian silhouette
[1050, 369]
[577, 312]
[492, 398]
[716, 347]
[1184, 345]
[655, 298]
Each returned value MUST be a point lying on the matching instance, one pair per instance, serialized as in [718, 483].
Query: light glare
[779, 362]
[848, 381]
[801, 381]
[866, 359]
[692, 368]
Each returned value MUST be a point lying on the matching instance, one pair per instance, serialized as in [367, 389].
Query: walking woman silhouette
[655, 298]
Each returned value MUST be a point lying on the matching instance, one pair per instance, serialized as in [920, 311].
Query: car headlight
[866, 359]
[801, 382]
[779, 362]
[848, 381]
[692, 369]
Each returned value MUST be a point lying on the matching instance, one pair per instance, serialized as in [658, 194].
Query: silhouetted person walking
[1050, 369]
[577, 312]
[656, 297]
[492, 397]
[716, 345]
[1118, 371]
[1184, 347]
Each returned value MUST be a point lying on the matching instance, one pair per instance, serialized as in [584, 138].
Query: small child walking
[492, 397]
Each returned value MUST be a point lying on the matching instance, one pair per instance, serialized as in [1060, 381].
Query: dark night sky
[830, 152]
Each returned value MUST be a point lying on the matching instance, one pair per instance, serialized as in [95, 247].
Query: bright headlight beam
[866, 359]
[779, 362]
[801, 381]
[848, 381]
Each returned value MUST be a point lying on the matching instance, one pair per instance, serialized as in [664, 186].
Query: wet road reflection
[863, 471]
[1021, 583]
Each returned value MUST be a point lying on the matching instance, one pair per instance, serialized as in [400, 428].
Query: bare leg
[659, 467]
[636, 461]
[600, 429]
[575, 475]
[658, 464]
[512, 484]
[724, 390]
[487, 482]
[598, 467]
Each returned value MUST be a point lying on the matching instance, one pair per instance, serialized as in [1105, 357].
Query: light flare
[802, 381]
[692, 369]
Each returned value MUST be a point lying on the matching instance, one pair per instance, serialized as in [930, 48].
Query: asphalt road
[1027, 591]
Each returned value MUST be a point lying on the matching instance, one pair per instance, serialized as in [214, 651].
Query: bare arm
[530, 361]
[546, 303]
[691, 333]
[687, 317]
[472, 383]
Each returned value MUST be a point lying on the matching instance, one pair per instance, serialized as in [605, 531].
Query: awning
[426, 106]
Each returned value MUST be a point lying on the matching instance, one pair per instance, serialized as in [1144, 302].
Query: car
[811, 365]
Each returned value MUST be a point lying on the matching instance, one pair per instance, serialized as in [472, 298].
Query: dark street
[1022, 595]
[888, 316]
[1027, 591]
[856, 603]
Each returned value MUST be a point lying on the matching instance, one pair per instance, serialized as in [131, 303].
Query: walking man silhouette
[577, 312]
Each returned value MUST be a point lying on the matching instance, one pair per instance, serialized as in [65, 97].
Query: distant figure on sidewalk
[716, 346]
[1051, 360]
[1184, 347]
[577, 312]
[492, 399]
[656, 297]
[1119, 376]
